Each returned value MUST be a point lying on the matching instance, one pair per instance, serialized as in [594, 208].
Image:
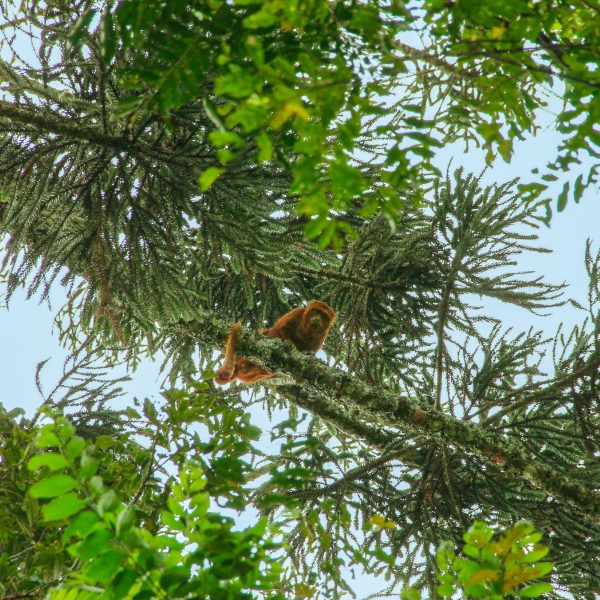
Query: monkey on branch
[305, 328]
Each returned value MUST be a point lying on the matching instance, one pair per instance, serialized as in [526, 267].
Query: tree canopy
[180, 166]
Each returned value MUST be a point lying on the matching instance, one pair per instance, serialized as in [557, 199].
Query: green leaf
[62, 507]
[314, 227]
[237, 84]
[64, 428]
[536, 554]
[225, 155]
[445, 590]
[52, 486]
[410, 594]
[265, 147]
[208, 177]
[54, 462]
[107, 501]
[94, 544]
[81, 525]
[478, 535]
[535, 590]
[543, 568]
[445, 551]
[125, 520]
[47, 439]
[260, 19]
[89, 466]
[122, 583]
[104, 441]
[103, 568]
[75, 447]
[224, 138]
[366, 19]
[15, 412]
[174, 576]
[128, 105]
[471, 551]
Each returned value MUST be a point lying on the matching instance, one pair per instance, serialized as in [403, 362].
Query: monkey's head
[318, 316]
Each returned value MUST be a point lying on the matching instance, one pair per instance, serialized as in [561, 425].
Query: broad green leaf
[104, 441]
[64, 428]
[536, 554]
[175, 575]
[484, 575]
[107, 501]
[225, 155]
[63, 507]
[365, 18]
[543, 568]
[445, 590]
[15, 412]
[54, 461]
[75, 447]
[104, 567]
[123, 582]
[47, 439]
[128, 105]
[535, 590]
[237, 84]
[125, 520]
[52, 486]
[208, 177]
[94, 544]
[265, 147]
[108, 37]
[289, 109]
[81, 525]
[471, 551]
[260, 19]
[314, 227]
[224, 138]
[89, 466]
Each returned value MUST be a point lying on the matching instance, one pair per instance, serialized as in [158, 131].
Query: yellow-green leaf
[535, 590]
[381, 521]
[208, 177]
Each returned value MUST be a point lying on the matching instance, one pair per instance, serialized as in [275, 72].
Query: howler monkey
[304, 328]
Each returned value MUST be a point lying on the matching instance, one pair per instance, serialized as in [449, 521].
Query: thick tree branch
[375, 414]
[43, 122]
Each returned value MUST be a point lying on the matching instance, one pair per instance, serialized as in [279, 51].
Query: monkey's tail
[227, 373]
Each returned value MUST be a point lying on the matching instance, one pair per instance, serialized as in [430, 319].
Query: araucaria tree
[182, 166]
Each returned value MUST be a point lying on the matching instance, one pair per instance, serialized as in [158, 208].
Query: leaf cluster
[197, 551]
